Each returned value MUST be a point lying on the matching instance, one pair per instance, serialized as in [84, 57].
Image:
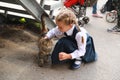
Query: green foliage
[34, 26]
[38, 25]
[22, 20]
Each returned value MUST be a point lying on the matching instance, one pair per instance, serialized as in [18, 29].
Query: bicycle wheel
[86, 19]
[111, 17]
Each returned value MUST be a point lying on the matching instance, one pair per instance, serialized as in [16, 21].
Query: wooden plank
[10, 1]
[13, 10]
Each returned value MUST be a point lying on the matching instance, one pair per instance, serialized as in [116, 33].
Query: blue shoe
[76, 64]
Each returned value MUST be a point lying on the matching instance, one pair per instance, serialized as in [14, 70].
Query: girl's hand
[45, 37]
[64, 56]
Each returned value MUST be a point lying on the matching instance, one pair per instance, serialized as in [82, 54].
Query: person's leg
[118, 13]
[94, 11]
[118, 21]
[117, 3]
[63, 45]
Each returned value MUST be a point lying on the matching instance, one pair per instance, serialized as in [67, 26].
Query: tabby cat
[45, 48]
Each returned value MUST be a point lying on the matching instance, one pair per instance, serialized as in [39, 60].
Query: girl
[71, 45]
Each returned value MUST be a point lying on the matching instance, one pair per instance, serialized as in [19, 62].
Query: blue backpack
[90, 54]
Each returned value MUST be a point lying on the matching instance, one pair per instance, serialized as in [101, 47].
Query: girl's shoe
[76, 64]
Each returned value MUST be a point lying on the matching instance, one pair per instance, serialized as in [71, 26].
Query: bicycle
[111, 16]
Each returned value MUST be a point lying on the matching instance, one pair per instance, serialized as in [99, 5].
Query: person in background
[94, 11]
[116, 28]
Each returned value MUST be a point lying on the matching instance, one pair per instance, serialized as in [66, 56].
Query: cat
[45, 47]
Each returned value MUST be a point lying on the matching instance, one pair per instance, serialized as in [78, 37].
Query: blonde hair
[67, 16]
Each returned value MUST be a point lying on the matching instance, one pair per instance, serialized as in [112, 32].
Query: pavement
[107, 67]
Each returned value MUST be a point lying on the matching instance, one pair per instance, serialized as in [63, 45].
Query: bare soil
[19, 43]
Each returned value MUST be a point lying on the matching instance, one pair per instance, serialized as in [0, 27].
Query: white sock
[78, 62]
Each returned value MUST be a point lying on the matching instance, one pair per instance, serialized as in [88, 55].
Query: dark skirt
[63, 45]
